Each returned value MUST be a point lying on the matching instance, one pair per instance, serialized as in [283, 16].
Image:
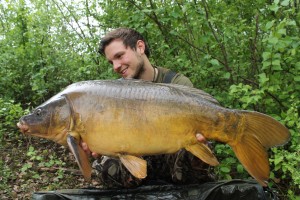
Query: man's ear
[140, 46]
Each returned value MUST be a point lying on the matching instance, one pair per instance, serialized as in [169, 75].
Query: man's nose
[116, 66]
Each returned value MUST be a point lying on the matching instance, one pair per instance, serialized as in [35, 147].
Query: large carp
[131, 118]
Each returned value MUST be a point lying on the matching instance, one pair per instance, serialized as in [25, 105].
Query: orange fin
[269, 131]
[258, 133]
[254, 158]
[203, 152]
[136, 166]
[81, 157]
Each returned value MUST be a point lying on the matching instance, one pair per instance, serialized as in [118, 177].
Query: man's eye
[119, 56]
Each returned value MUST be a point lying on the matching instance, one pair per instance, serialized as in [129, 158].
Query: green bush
[10, 112]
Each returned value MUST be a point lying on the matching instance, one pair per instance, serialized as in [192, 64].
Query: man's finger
[200, 137]
[95, 155]
[85, 148]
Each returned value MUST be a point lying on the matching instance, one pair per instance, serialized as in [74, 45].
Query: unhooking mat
[223, 190]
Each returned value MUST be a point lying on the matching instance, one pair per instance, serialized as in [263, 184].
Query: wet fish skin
[131, 118]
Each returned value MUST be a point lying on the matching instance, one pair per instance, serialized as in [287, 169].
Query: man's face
[126, 61]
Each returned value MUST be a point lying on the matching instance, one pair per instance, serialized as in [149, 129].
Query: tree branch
[221, 45]
[81, 34]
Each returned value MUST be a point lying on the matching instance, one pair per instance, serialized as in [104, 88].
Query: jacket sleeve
[182, 80]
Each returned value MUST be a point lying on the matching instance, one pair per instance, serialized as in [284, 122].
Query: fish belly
[138, 128]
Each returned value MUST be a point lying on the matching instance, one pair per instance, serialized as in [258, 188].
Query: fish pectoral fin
[78, 125]
[136, 166]
[203, 152]
[80, 156]
[254, 157]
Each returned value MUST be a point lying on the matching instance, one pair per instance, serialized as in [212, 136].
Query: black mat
[231, 190]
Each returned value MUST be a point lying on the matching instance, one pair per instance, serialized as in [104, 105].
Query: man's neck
[149, 71]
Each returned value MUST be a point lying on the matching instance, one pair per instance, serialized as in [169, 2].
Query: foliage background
[245, 53]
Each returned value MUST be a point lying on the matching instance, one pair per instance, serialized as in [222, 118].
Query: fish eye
[38, 112]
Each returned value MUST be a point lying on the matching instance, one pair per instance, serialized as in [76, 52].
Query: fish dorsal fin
[136, 166]
[202, 151]
[80, 156]
[194, 91]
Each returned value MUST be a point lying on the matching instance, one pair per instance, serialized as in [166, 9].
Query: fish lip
[23, 127]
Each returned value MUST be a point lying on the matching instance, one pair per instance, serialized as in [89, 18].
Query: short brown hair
[127, 35]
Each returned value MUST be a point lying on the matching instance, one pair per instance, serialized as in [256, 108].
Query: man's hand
[85, 147]
[87, 150]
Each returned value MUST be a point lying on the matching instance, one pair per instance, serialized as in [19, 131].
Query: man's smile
[123, 71]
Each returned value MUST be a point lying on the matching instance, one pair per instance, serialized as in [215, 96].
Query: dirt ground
[33, 164]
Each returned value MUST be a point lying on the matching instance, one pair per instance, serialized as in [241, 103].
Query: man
[128, 52]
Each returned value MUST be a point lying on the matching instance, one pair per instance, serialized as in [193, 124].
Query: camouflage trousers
[180, 168]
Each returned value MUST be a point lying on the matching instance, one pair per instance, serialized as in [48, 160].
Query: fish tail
[259, 132]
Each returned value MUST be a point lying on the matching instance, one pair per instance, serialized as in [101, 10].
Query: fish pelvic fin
[135, 165]
[80, 157]
[203, 152]
[259, 132]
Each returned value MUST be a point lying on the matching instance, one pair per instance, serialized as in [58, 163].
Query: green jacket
[176, 78]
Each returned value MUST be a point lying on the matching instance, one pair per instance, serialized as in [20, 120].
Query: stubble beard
[140, 70]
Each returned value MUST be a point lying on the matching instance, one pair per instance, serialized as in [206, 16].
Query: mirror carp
[131, 118]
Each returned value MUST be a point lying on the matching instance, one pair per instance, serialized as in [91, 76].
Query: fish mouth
[23, 127]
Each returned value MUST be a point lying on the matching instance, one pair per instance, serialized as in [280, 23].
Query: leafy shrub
[10, 112]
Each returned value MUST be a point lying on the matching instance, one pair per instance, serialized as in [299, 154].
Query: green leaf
[240, 168]
[269, 24]
[273, 40]
[291, 22]
[227, 75]
[31, 148]
[228, 177]
[274, 7]
[297, 66]
[285, 2]
[266, 64]
[230, 160]
[282, 31]
[276, 67]
[266, 55]
[276, 62]
[263, 78]
[278, 160]
[297, 78]
[36, 176]
[214, 62]
[225, 169]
